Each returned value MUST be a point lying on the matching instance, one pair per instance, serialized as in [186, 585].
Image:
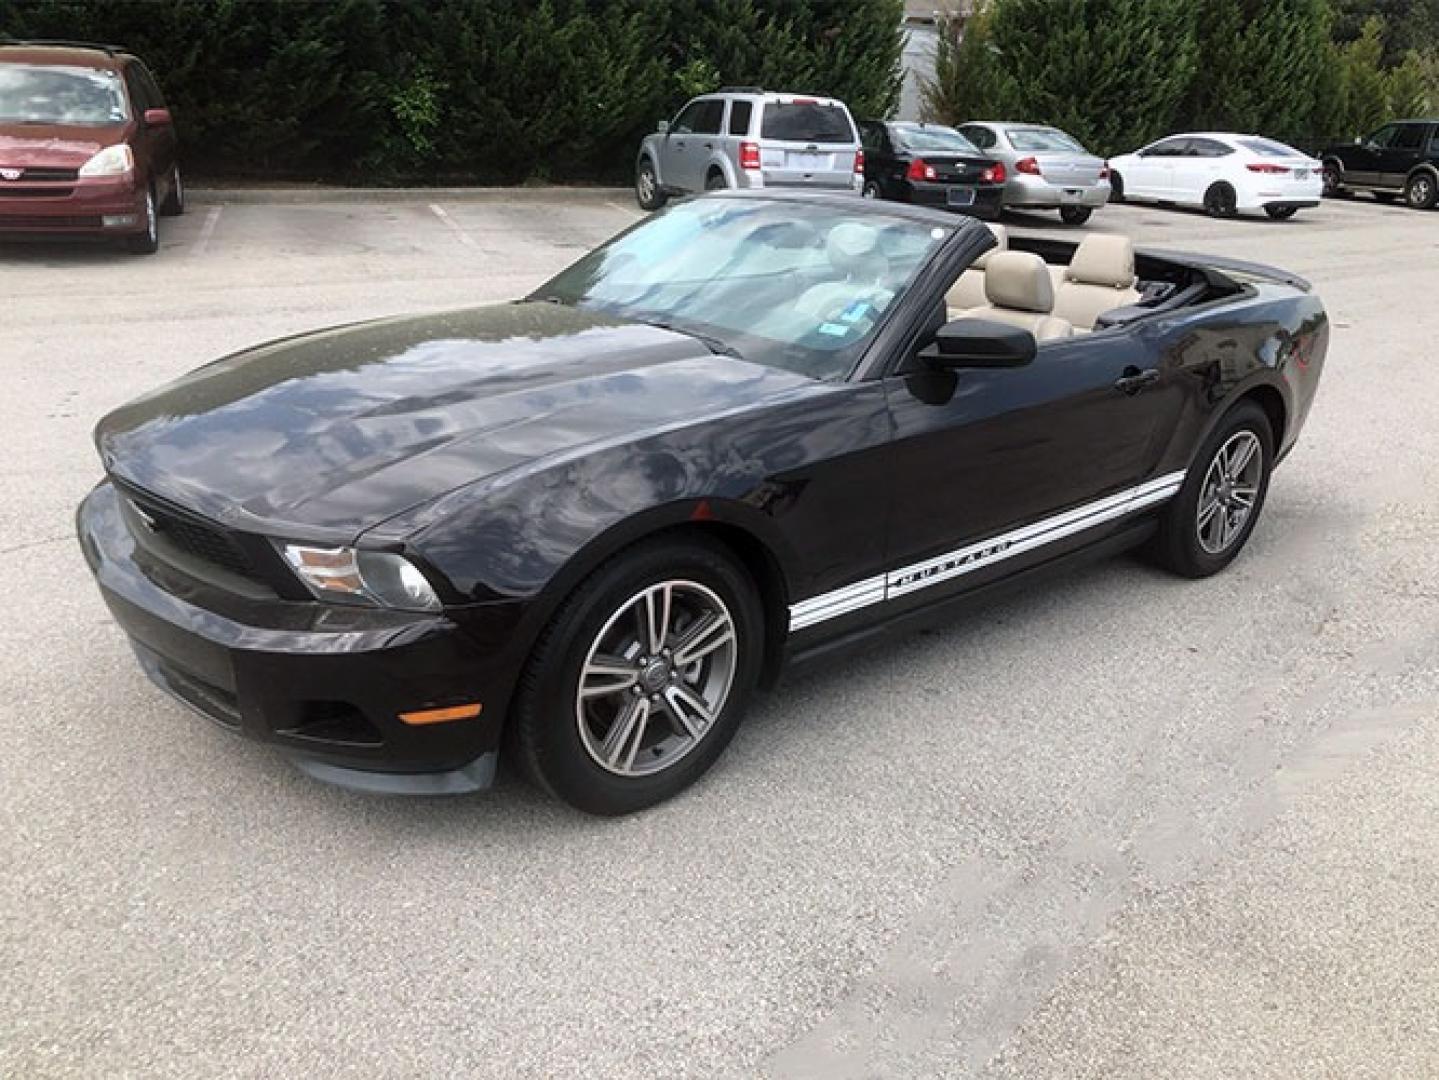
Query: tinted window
[1208, 148]
[807, 121]
[61, 95]
[784, 284]
[1269, 148]
[1385, 135]
[871, 134]
[927, 137]
[1166, 148]
[739, 117]
[152, 88]
[1409, 137]
[709, 117]
[982, 137]
[1041, 139]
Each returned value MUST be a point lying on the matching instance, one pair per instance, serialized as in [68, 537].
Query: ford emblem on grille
[12, 174]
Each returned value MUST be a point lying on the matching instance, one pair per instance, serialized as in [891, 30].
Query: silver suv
[744, 137]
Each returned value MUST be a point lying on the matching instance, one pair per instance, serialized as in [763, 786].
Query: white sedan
[1222, 173]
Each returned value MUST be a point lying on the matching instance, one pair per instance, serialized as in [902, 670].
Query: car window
[60, 94]
[1166, 148]
[1041, 139]
[1384, 136]
[139, 94]
[933, 137]
[1408, 137]
[1208, 148]
[1269, 148]
[780, 283]
[739, 117]
[806, 121]
[709, 117]
[685, 122]
[152, 88]
[982, 137]
[870, 132]
[1434, 142]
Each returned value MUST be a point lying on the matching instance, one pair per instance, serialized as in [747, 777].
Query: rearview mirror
[158, 118]
[979, 343]
[663, 127]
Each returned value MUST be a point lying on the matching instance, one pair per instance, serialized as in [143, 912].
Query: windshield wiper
[713, 344]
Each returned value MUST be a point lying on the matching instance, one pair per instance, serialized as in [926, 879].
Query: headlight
[111, 161]
[359, 577]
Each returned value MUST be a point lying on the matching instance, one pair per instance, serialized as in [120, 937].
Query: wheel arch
[1269, 399]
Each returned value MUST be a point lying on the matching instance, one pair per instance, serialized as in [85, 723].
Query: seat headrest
[850, 247]
[1001, 242]
[1103, 259]
[1020, 281]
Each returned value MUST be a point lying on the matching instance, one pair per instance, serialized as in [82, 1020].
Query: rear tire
[147, 242]
[572, 743]
[872, 190]
[1281, 213]
[1075, 215]
[1192, 540]
[1333, 181]
[715, 181]
[174, 204]
[1421, 192]
[648, 192]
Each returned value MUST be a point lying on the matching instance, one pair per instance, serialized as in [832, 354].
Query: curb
[284, 195]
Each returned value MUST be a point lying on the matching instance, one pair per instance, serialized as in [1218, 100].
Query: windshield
[60, 95]
[806, 121]
[1269, 148]
[934, 138]
[784, 284]
[1041, 139]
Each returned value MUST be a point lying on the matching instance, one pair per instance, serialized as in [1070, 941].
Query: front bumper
[1037, 193]
[324, 683]
[988, 198]
[77, 207]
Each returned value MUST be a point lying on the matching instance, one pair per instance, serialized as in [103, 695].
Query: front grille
[205, 542]
[49, 221]
[10, 191]
[37, 173]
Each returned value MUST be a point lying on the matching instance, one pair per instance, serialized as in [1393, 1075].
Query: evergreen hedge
[488, 91]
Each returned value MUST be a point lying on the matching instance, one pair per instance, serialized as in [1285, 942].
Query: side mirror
[663, 127]
[1359, 140]
[979, 343]
[158, 118]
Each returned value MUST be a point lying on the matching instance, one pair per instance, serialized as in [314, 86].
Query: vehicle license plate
[807, 162]
[960, 196]
[1301, 174]
[1071, 195]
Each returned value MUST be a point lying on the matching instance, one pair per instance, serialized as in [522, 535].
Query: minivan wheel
[1421, 192]
[147, 242]
[639, 682]
[175, 201]
[1075, 215]
[647, 186]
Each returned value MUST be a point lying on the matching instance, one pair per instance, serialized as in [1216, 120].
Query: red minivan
[87, 146]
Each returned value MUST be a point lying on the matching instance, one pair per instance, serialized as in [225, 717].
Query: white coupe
[1222, 173]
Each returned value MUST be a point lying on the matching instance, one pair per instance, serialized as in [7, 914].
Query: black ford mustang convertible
[753, 428]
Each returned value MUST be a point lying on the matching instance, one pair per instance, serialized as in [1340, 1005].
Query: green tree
[1362, 102]
[969, 79]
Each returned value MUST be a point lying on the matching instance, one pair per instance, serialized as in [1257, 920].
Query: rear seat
[968, 291]
[1099, 278]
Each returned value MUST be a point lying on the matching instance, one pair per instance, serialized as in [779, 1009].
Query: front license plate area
[960, 196]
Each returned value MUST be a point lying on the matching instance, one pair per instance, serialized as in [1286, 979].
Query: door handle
[1133, 380]
[709, 146]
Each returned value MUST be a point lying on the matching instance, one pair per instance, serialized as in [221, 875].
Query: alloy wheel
[1421, 192]
[645, 182]
[656, 678]
[1227, 497]
[871, 190]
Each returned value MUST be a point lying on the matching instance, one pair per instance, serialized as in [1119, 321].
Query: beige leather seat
[1099, 278]
[968, 291]
[1020, 293]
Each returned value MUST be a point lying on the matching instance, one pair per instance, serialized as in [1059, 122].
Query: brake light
[1104, 172]
[995, 174]
[1267, 170]
[803, 101]
[919, 169]
[749, 155]
[1027, 165]
[859, 161]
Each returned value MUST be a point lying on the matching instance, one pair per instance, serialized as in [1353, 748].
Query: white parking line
[444, 216]
[207, 230]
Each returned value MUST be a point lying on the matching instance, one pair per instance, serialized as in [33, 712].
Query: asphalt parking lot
[1119, 826]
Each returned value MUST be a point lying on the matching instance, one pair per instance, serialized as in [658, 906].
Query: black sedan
[930, 165]
[749, 430]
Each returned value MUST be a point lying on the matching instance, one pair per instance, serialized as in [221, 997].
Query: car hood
[336, 431]
[55, 146]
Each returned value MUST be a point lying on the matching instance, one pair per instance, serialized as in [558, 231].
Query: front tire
[1116, 187]
[1281, 213]
[1075, 215]
[1220, 201]
[174, 204]
[641, 678]
[1333, 180]
[1212, 517]
[1421, 192]
[648, 192]
[147, 242]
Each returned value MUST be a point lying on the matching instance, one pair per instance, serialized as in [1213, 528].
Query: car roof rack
[108, 50]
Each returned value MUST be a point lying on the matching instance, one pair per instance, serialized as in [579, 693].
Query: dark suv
[87, 145]
[1401, 158]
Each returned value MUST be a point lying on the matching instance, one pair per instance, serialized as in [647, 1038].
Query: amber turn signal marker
[442, 716]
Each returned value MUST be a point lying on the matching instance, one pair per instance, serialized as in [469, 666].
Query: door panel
[1403, 153]
[1011, 447]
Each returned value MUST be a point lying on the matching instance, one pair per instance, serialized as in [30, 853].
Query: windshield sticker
[856, 311]
[834, 329]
